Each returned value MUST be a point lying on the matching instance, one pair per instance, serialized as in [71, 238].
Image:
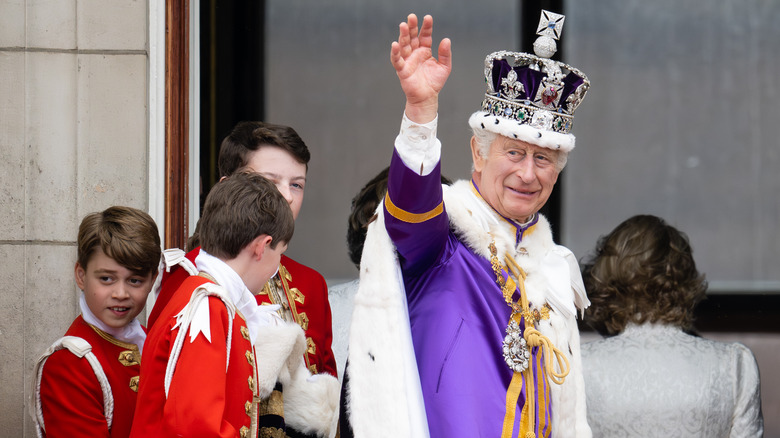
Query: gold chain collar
[508, 287]
[516, 346]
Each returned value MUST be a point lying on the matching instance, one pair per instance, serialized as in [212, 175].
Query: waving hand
[422, 76]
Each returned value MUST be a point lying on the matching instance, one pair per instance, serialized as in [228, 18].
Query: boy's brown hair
[247, 137]
[240, 208]
[126, 234]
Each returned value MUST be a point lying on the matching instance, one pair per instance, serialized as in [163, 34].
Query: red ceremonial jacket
[307, 297]
[204, 398]
[306, 294]
[71, 397]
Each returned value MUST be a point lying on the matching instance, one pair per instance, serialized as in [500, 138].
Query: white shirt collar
[239, 294]
[131, 333]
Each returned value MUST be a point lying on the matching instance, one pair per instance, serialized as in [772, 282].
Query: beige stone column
[73, 139]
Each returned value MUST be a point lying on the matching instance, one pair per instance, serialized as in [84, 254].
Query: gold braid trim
[533, 338]
[412, 218]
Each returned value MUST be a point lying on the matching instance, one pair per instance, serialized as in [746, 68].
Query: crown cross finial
[549, 30]
[550, 24]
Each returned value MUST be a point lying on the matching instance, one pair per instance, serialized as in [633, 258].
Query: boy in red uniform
[86, 383]
[200, 375]
[278, 153]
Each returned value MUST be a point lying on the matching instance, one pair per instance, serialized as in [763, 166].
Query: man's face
[114, 294]
[516, 178]
[281, 168]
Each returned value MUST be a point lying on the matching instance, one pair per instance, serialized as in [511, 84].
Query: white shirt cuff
[418, 146]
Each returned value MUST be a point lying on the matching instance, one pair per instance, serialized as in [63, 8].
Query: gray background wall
[330, 77]
[681, 123]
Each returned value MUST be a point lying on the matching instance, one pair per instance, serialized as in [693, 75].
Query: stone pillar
[73, 140]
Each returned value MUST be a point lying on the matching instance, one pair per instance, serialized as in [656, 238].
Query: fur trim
[476, 224]
[513, 129]
[568, 399]
[311, 403]
[384, 397]
[279, 350]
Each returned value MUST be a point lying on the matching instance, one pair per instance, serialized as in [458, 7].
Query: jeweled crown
[535, 90]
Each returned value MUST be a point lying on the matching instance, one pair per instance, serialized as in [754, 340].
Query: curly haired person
[651, 376]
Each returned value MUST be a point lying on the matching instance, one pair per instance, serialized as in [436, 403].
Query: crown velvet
[535, 90]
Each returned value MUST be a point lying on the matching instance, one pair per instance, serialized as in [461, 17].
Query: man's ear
[80, 275]
[222, 178]
[476, 157]
[259, 246]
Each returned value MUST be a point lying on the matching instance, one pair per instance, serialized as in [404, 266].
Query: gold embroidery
[285, 273]
[244, 332]
[250, 358]
[297, 295]
[134, 383]
[248, 408]
[313, 369]
[275, 289]
[244, 431]
[127, 358]
[273, 405]
[251, 382]
[536, 315]
[269, 432]
[507, 285]
[115, 341]
[304, 321]
[284, 277]
[311, 347]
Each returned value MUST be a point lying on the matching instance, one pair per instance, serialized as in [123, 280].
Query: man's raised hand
[421, 75]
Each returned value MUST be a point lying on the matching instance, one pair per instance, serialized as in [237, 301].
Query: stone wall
[73, 139]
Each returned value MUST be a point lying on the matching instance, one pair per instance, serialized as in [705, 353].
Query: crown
[534, 90]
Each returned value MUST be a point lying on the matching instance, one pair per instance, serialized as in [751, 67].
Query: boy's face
[280, 167]
[114, 294]
[272, 257]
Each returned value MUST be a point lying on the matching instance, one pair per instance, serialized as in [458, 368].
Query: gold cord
[533, 338]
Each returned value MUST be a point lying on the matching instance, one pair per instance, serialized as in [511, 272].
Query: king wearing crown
[465, 318]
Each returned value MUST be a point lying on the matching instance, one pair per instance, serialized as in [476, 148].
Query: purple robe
[457, 314]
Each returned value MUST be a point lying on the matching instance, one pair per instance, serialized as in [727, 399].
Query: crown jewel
[534, 89]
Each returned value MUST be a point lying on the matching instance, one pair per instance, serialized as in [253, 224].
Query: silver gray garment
[341, 298]
[656, 381]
